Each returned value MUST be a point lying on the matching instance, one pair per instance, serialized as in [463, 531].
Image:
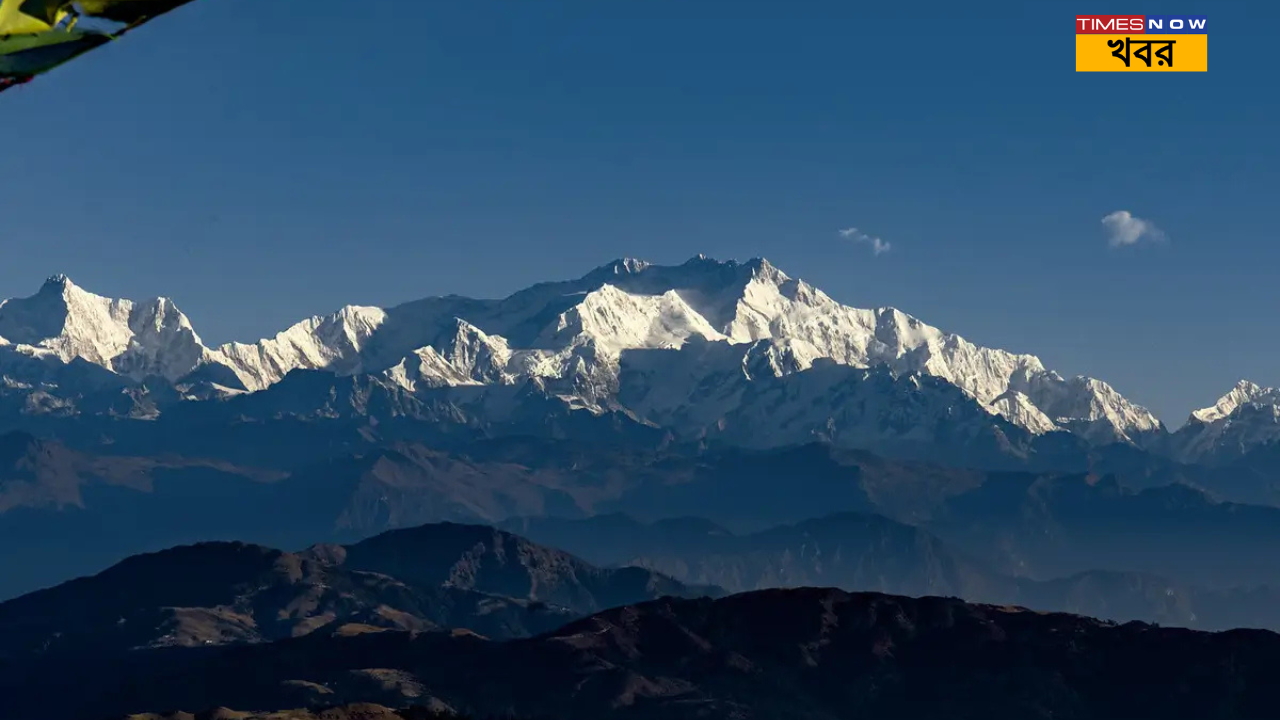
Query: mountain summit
[658, 342]
[135, 340]
[1245, 418]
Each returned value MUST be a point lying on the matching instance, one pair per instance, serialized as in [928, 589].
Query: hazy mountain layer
[859, 552]
[438, 577]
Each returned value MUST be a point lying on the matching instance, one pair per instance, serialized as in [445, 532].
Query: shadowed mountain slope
[446, 577]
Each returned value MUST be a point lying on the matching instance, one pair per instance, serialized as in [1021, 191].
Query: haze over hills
[437, 577]
[859, 552]
[443, 576]
[75, 513]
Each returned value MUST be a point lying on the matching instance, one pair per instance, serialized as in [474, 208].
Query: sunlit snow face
[655, 339]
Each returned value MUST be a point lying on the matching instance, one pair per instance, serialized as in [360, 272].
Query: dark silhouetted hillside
[803, 654]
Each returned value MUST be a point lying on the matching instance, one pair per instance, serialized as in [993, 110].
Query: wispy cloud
[878, 246]
[1123, 229]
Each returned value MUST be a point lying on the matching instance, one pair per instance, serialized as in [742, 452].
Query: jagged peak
[346, 319]
[464, 327]
[63, 286]
[135, 339]
[1249, 389]
[622, 266]
[632, 272]
[464, 331]
[897, 326]
[762, 269]
[704, 259]
[1245, 392]
[59, 286]
[759, 266]
[358, 312]
[625, 304]
[888, 313]
[632, 265]
[801, 291]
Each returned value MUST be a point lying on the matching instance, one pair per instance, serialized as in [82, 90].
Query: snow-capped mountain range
[64, 323]
[1245, 418]
[682, 346]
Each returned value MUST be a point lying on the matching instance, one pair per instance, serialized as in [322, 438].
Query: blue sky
[261, 165]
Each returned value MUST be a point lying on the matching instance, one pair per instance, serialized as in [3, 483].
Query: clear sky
[261, 162]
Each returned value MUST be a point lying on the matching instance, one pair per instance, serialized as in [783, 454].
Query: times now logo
[1135, 24]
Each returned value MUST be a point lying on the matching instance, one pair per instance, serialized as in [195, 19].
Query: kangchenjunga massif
[525, 487]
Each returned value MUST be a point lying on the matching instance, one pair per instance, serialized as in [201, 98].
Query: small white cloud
[1123, 229]
[878, 246]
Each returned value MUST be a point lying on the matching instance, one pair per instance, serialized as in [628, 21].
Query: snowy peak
[1245, 418]
[622, 266]
[693, 325]
[45, 315]
[462, 356]
[57, 285]
[754, 301]
[712, 288]
[616, 320]
[133, 339]
[333, 342]
[1244, 393]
